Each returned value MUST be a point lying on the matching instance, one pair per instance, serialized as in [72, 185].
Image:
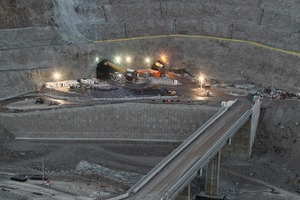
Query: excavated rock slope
[38, 38]
[279, 133]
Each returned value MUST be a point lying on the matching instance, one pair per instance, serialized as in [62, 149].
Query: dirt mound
[84, 167]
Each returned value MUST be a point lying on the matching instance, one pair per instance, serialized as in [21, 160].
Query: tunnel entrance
[102, 70]
[105, 68]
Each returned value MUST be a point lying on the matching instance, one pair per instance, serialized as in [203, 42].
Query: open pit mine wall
[25, 70]
[113, 121]
[39, 37]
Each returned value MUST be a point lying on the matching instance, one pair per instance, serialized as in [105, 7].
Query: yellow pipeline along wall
[202, 37]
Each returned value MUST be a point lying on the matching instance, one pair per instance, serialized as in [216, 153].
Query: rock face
[278, 133]
[276, 149]
[17, 14]
[39, 37]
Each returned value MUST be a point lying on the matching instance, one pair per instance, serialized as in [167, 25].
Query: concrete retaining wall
[117, 121]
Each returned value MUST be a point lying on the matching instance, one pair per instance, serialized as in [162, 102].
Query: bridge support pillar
[186, 193]
[212, 180]
[199, 173]
[240, 145]
[212, 176]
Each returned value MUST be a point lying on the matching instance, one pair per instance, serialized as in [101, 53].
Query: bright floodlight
[56, 76]
[201, 79]
[163, 58]
[128, 59]
[97, 59]
[118, 59]
[119, 75]
[147, 60]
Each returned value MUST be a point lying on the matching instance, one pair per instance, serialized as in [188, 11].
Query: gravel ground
[115, 166]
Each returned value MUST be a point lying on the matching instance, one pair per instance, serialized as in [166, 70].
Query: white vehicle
[84, 81]
[117, 76]
[87, 81]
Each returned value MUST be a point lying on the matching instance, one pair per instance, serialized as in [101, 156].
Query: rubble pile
[85, 167]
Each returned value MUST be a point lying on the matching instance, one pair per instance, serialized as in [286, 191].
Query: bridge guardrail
[171, 156]
[120, 197]
[111, 99]
[206, 157]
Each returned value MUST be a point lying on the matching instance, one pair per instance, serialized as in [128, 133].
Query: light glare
[128, 59]
[118, 59]
[56, 76]
[163, 58]
[147, 60]
[201, 78]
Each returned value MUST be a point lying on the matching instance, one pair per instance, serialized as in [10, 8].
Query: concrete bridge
[202, 149]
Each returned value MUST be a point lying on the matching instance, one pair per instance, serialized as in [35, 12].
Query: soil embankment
[273, 171]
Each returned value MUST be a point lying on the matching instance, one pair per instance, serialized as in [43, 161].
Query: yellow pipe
[203, 37]
[119, 68]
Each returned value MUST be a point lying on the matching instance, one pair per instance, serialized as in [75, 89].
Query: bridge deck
[157, 187]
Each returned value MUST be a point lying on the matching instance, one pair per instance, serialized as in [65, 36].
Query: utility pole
[261, 16]
[99, 187]
[43, 166]
[174, 26]
[125, 29]
[104, 13]
[231, 27]
[161, 10]
[272, 87]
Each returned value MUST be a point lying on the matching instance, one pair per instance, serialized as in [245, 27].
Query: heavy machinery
[39, 100]
[131, 75]
[160, 67]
